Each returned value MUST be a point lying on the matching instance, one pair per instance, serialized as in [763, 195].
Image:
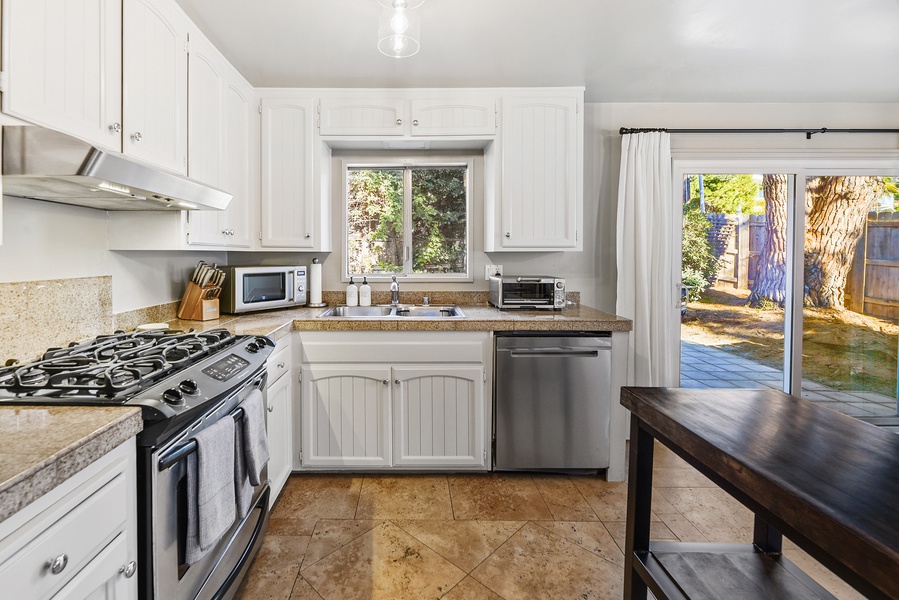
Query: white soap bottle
[364, 293]
[352, 294]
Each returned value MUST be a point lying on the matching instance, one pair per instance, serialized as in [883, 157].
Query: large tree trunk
[836, 212]
[770, 281]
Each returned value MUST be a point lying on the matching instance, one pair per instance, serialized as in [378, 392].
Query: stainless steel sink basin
[433, 311]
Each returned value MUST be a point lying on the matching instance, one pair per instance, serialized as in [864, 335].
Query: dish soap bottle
[352, 294]
[364, 292]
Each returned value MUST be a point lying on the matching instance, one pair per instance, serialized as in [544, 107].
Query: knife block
[194, 308]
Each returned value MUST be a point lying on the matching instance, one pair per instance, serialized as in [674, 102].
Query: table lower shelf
[691, 571]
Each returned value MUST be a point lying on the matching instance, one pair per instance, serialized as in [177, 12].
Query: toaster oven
[528, 292]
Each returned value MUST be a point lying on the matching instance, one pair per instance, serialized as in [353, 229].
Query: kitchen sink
[432, 311]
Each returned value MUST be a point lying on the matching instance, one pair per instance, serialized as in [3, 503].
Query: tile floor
[481, 536]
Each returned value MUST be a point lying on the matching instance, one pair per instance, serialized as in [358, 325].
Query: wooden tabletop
[826, 480]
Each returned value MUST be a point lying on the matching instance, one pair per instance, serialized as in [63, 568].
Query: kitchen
[65, 249]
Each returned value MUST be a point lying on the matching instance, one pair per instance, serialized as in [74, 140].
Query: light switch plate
[492, 270]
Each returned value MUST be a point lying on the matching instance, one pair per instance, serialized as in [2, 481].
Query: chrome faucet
[394, 291]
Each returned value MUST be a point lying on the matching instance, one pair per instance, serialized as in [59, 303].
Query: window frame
[404, 162]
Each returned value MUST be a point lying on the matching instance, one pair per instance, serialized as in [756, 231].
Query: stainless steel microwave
[527, 292]
[262, 288]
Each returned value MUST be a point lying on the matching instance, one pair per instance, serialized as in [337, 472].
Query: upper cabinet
[408, 114]
[63, 66]
[534, 174]
[154, 54]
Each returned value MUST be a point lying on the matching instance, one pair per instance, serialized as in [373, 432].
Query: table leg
[766, 538]
[639, 508]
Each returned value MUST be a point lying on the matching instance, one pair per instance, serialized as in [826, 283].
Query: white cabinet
[79, 539]
[408, 114]
[438, 415]
[410, 400]
[279, 417]
[295, 201]
[154, 55]
[63, 64]
[219, 132]
[534, 196]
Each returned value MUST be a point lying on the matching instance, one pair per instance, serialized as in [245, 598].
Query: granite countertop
[42, 446]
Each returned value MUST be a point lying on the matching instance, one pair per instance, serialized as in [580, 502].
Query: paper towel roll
[315, 282]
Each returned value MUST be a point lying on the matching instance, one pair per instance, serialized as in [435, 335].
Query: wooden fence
[872, 287]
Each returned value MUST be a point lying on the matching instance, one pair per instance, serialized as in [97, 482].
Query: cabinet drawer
[279, 362]
[78, 535]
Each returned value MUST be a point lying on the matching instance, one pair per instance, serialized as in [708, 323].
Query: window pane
[851, 304]
[375, 220]
[439, 220]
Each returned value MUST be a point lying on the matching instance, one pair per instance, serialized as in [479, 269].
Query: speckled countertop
[42, 446]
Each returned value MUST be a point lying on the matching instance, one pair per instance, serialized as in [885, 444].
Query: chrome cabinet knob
[59, 563]
[396, 381]
[308, 235]
[508, 235]
[230, 232]
[136, 136]
[385, 382]
[128, 570]
[224, 232]
[415, 123]
[115, 128]
[271, 408]
[280, 365]
[399, 122]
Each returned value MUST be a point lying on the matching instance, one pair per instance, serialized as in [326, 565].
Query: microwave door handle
[530, 280]
[291, 285]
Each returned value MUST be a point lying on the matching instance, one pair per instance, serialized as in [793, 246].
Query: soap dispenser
[364, 292]
[352, 294]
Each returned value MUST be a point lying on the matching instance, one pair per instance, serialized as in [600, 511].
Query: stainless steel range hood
[48, 165]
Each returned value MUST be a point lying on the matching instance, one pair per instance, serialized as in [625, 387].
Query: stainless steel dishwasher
[552, 401]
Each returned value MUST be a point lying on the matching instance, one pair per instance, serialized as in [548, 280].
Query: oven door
[218, 574]
[528, 292]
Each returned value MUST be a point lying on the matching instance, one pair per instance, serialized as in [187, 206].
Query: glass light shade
[399, 30]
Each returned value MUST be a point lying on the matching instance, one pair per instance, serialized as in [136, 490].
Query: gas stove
[166, 373]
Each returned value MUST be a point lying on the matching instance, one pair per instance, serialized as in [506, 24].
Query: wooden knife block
[194, 308]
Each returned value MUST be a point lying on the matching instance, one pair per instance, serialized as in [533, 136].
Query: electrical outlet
[492, 270]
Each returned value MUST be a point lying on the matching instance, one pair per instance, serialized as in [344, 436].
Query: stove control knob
[262, 342]
[173, 396]
[189, 386]
[252, 348]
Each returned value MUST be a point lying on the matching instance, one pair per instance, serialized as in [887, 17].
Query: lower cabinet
[425, 409]
[279, 416]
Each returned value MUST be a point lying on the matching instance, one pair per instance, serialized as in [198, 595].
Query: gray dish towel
[255, 439]
[242, 488]
[210, 488]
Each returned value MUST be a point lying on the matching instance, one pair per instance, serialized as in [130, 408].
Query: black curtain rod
[808, 132]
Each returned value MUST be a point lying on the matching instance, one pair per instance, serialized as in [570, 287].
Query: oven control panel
[226, 368]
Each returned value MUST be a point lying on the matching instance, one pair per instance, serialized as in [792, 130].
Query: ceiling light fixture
[399, 27]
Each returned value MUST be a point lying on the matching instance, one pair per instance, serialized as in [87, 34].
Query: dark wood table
[827, 481]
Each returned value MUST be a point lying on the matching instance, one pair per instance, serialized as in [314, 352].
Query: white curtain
[647, 278]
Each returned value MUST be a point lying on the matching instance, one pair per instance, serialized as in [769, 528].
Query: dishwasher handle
[553, 352]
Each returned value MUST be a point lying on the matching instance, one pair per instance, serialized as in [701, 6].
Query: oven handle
[245, 555]
[177, 454]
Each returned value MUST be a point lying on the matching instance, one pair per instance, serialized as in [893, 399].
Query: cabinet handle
[58, 564]
[136, 136]
[385, 382]
[399, 122]
[280, 365]
[224, 232]
[115, 128]
[230, 232]
[415, 123]
[308, 235]
[508, 235]
[128, 570]
[396, 381]
[271, 408]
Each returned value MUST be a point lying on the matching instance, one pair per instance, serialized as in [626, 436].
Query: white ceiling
[621, 50]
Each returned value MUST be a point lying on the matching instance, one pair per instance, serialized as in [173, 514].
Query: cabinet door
[154, 51]
[205, 94]
[345, 416]
[237, 160]
[438, 416]
[104, 577]
[454, 116]
[539, 173]
[287, 185]
[362, 116]
[64, 66]
[280, 419]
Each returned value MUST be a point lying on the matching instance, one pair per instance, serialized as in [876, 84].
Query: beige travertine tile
[664, 457]
[320, 497]
[384, 563]
[303, 591]
[464, 543]
[278, 525]
[471, 589]
[564, 500]
[276, 568]
[682, 528]
[590, 536]
[404, 497]
[331, 535]
[818, 572]
[537, 564]
[657, 531]
[497, 497]
[717, 515]
[607, 499]
[667, 477]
